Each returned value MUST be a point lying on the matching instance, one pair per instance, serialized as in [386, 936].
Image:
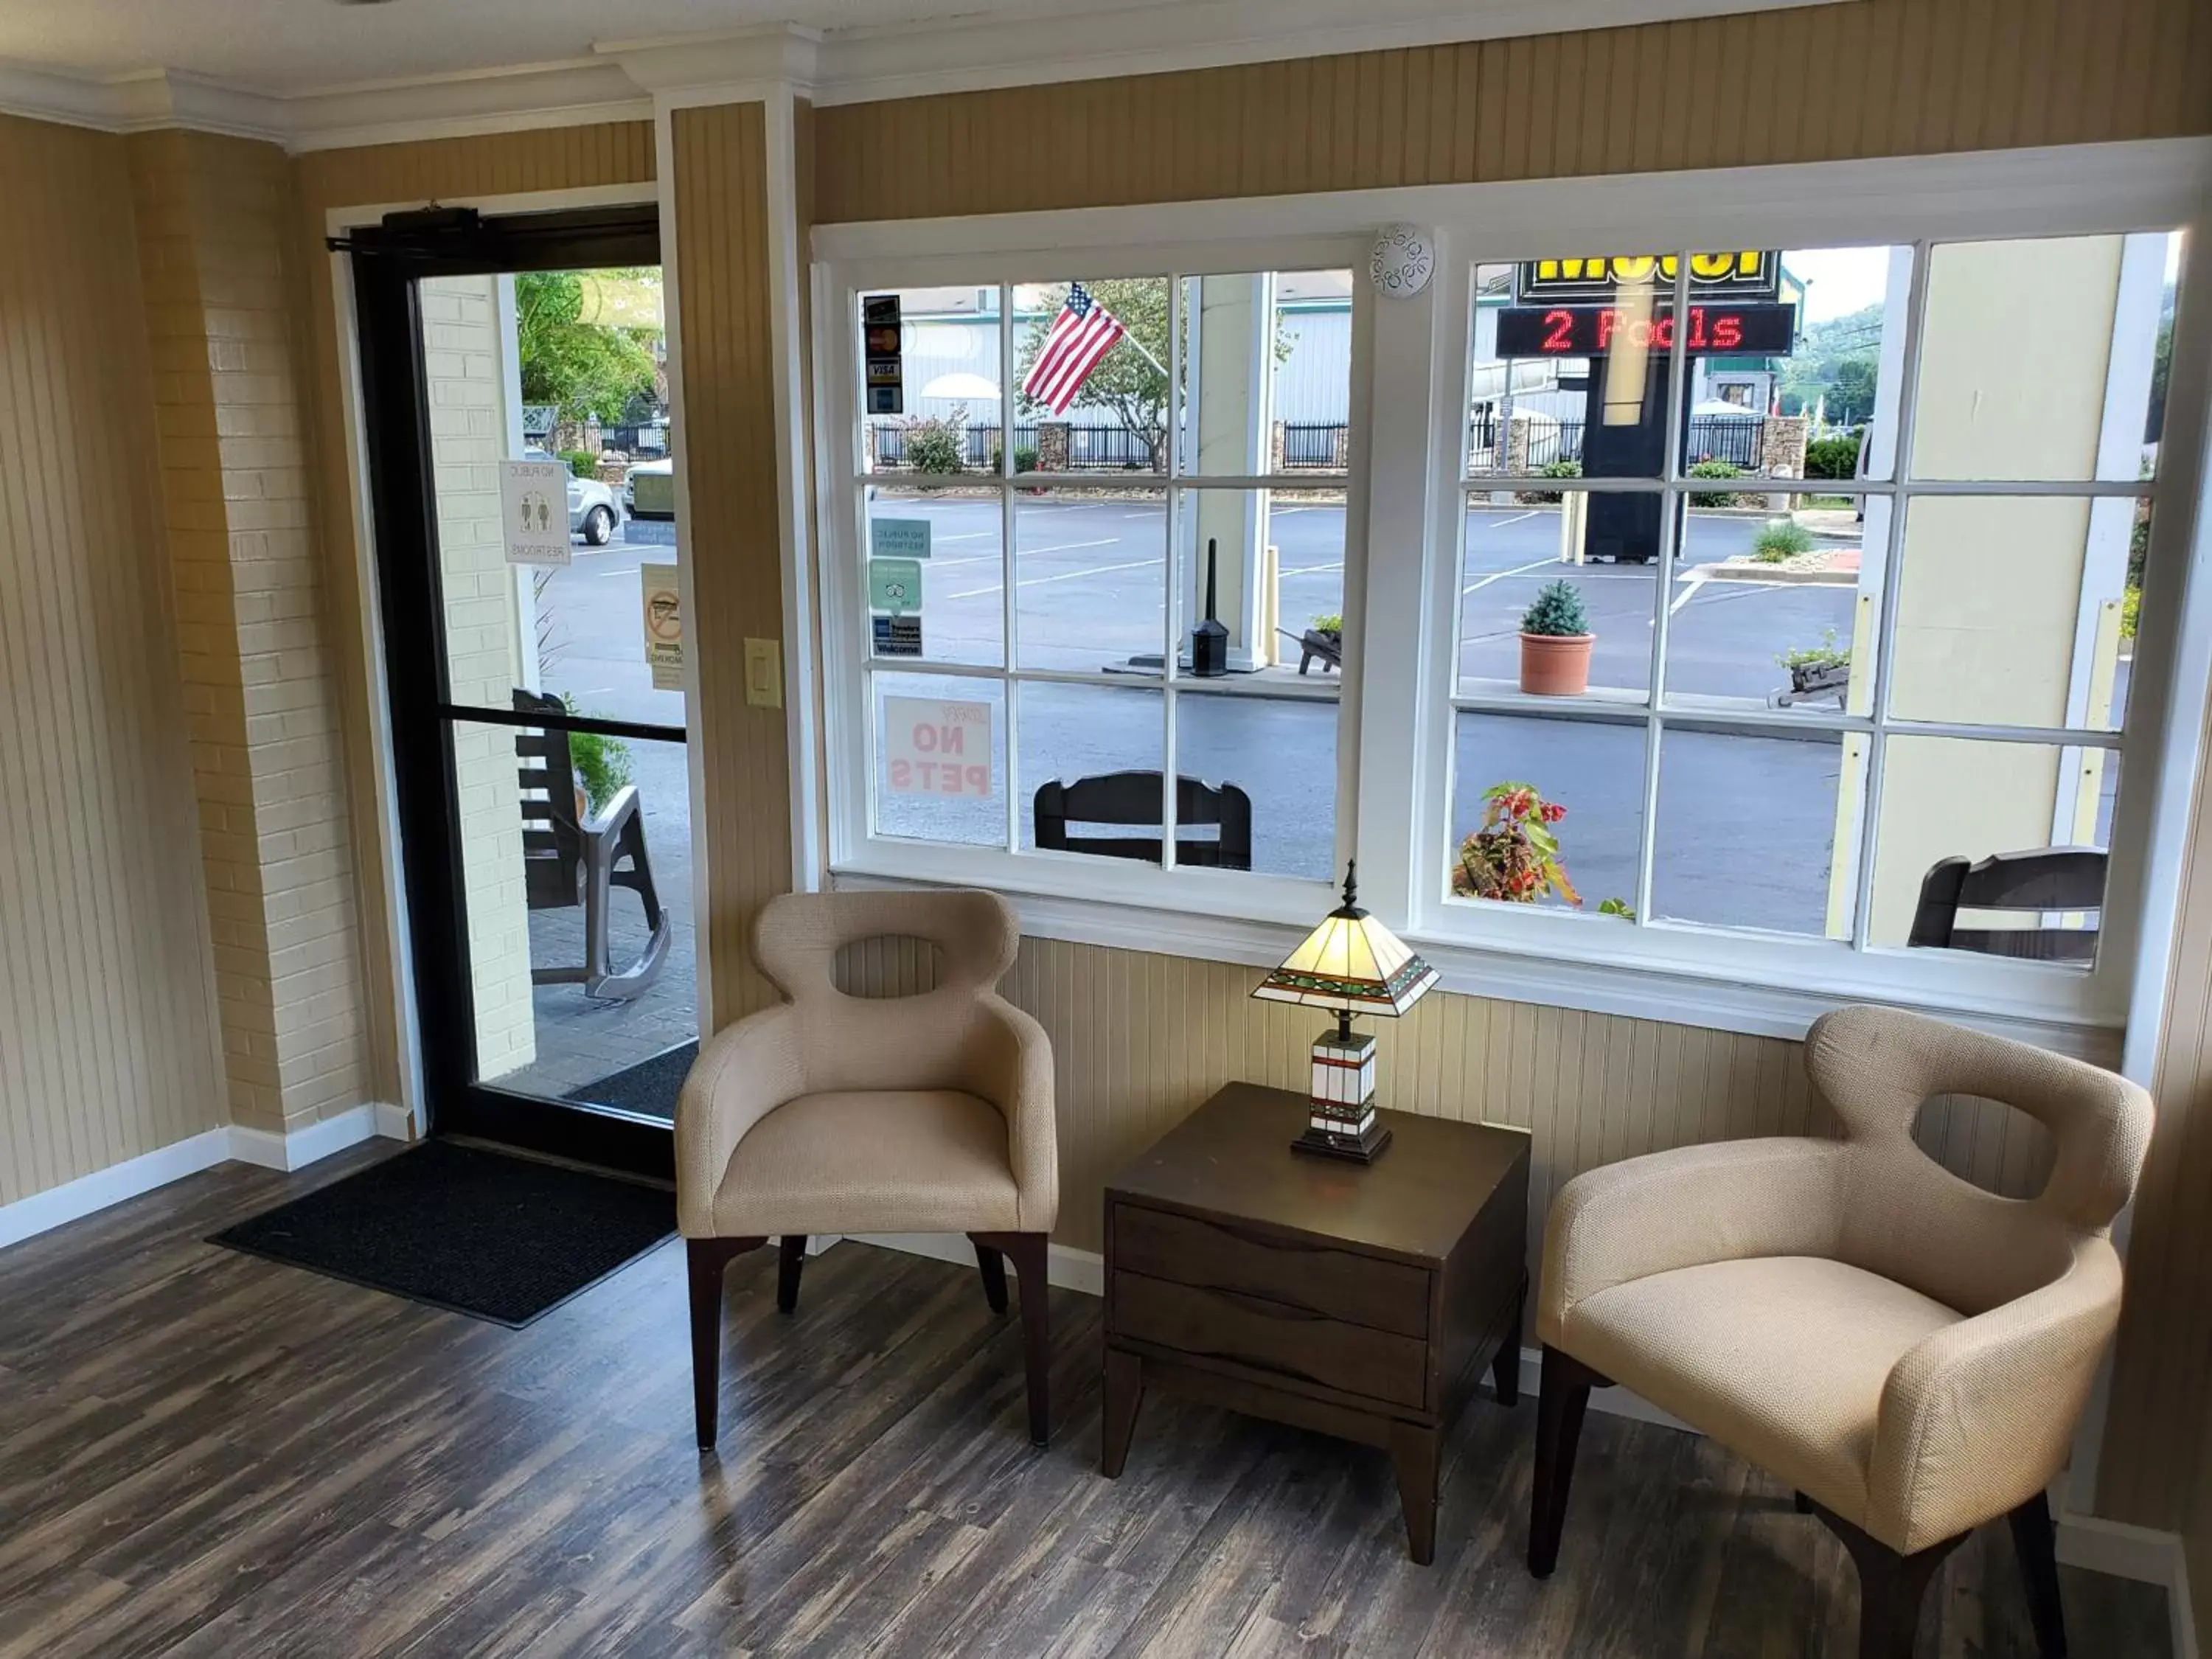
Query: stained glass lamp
[1353, 964]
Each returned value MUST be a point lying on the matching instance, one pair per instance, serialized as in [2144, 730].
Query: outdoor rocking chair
[569, 859]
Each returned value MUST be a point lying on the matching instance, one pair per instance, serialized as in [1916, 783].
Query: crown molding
[624, 80]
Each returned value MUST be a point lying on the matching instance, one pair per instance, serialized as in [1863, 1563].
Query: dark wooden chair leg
[791, 1261]
[1804, 1504]
[991, 1264]
[2037, 1541]
[1124, 1392]
[1562, 1392]
[1892, 1587]
[1505, 1364]
[705, 1259]
[1027, 1250]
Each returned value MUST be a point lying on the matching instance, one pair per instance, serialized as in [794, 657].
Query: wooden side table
[1359, 1301]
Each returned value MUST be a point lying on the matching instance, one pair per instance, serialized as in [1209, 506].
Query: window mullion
[1172, 610]
[1009, 611]
[1662, 583]
[1893, 588]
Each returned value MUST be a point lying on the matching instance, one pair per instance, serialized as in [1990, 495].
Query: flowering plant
[1513, 854]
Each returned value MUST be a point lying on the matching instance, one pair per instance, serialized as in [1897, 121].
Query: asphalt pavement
[1745, 821]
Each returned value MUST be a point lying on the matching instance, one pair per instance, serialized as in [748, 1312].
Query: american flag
[1084, 332]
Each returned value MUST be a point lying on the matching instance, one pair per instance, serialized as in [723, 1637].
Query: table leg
[1505, 1364]
[1415, 1455]
[1125, 1392]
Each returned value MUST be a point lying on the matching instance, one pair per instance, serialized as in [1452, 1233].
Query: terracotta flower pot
[1556, 664]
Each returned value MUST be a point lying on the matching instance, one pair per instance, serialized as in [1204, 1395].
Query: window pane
[1091, 580]
[525, 873]
[1593, 770]
[1751, 834]
[2039, 358]
[930, 394]
[1956, 798]
[2013, 610]
[1569, 372]
[1281, 752]
[940, 758]
[936, 575]
[1772, 609]
[1267, 371]
[1090, 375]
[1077, 735]
[1278, 566]
[1794, 360]
[1514, 554]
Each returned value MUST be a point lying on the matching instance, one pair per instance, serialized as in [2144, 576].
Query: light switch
[764, 674]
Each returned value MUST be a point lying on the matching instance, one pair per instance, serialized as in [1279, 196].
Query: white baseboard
[57, 1207]
[73, 1201]
[1069, 1269]
[2142, 1553]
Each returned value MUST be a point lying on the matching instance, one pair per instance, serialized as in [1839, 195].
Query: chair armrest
[1018, 1080]
[1980, 1417]
[620, 807]
[744, 1072]
[1726, 1201]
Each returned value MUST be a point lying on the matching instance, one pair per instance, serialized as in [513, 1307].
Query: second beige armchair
[839, 1114]
[1909, 1351]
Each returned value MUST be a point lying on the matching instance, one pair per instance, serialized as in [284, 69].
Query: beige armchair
[1909, 1351]
[837, 1114]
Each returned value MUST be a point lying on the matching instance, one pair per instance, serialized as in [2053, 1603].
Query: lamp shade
[1353, 963]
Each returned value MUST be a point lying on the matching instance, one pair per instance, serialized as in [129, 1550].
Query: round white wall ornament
[1404, 258]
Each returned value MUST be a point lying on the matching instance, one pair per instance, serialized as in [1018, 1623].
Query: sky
[1839, 280]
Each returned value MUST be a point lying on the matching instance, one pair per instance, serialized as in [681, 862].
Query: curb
[1778, 575]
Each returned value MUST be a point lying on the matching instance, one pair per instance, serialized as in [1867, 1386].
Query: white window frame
[1403, 530]
[855, 847]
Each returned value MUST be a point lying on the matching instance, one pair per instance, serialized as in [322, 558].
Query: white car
[649, 489]
[593, 510]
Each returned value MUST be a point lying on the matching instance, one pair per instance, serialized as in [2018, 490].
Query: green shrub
[602, 762]
[1549, 469]
[1836, 456]
[1558, 611]
[2130, 610]
[1025, 457]
[583, 463]
[1712, 469]
[1826, 654]
[1780, 540]
[933, 446]
[1329, 621]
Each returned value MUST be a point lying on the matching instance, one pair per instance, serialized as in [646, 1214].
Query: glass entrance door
[515, 386]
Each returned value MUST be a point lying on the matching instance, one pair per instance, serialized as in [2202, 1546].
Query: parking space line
[1690, 586]
[1063, 576]
[1500, 575]
[1311, 569]
[1021, 552]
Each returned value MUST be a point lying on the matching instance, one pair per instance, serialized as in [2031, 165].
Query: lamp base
[1348, 1148]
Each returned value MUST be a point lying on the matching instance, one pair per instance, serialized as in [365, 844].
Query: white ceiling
[286, 48]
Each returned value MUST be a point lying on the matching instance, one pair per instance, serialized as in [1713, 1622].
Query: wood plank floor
[203, 1453]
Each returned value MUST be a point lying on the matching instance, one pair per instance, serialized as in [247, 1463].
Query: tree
[1123, 383]
[586, 370]
[1838, 360]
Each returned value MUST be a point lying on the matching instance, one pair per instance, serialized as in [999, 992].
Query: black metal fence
[1311, 444]
[1739, 441]
[1090, 448]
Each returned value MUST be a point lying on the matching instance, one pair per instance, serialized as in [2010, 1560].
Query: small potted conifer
[1555, 643]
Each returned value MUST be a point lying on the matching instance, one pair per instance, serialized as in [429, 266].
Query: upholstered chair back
[1903, 1216]
[928, 1040]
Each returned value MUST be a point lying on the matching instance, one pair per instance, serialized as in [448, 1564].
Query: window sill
[1746, 1000]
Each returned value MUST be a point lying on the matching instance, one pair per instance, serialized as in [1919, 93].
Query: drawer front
[1360, 1290]
[1270, 1338]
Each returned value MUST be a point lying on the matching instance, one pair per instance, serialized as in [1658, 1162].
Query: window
[1843, 548]
[1101, 541]
[1854, 530]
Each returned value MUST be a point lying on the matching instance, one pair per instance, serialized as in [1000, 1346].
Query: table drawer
[1271, 1338]
[1360, 1290]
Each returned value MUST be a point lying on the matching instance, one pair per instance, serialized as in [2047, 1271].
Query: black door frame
[387, 261]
